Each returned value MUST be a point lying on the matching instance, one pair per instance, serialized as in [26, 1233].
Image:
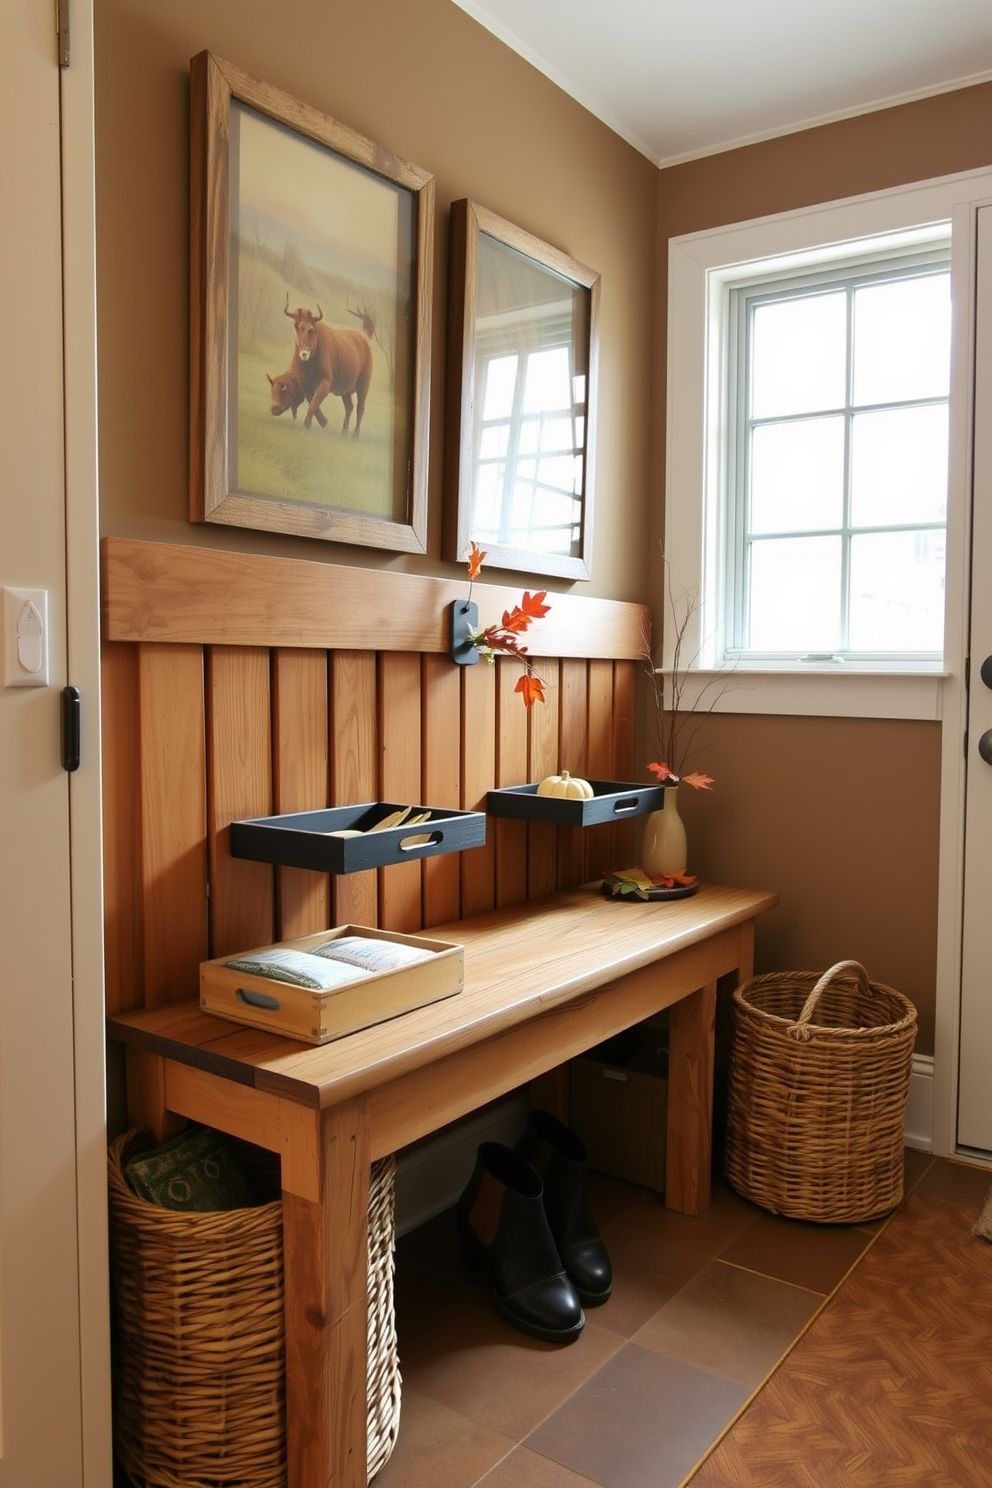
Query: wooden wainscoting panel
[625, 834]
[511, 769]
[354, 770]
[300, 779]
[542, 837]
[172, 592]
[122, 892]
[400, 899]
[442, 722]
[478, 765]
[171, 735]
[599, 840]
[239, 785]
[573, 752]
[325, 685]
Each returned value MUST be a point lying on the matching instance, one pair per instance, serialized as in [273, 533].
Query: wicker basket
[199, 1366]
[816, 1110]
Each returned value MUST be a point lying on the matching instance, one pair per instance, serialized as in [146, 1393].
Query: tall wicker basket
[816, 1109]
[199, 1358]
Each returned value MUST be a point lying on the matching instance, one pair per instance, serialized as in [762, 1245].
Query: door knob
[985, 746]
[986, 672]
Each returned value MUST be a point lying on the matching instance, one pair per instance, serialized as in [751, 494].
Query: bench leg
[690, 1101]
[146, 1096]
[326, 1285]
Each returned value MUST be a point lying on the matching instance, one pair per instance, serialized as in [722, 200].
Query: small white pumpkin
[565, 785]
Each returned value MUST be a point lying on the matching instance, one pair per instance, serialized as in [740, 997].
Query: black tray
[611, 800]
[300, 840]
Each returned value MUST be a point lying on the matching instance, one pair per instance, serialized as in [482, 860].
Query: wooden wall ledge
[171, 592]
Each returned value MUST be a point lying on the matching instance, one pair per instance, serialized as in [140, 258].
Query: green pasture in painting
[278, 457]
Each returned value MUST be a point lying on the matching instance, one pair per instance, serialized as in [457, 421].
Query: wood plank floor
[892, 1383]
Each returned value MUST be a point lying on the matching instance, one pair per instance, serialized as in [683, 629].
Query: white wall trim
[85, 803]
[919, 1108]
[816, 121]
[816, 693]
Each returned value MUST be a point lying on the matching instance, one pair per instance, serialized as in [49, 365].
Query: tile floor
[702, 1311]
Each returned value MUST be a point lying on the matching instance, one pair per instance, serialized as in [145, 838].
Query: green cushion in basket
[196, 1171]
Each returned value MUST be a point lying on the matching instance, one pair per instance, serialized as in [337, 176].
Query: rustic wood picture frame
[264, 243]
[513, 295]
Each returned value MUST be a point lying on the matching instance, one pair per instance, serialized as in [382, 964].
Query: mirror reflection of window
[530, 386]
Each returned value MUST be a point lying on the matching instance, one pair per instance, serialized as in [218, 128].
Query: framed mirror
[522, 368]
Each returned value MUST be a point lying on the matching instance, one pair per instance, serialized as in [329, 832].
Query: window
[836, 451]
[883, 512]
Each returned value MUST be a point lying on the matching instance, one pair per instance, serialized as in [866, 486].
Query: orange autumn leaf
[515, 620]
[505, 637]
[533, 604]
[531, 688]
[662, 771]
[698, 781]
[499, 639]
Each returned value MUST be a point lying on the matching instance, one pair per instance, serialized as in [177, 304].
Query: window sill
[822, 694]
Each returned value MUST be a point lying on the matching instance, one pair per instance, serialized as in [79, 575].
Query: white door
[975, 1072]
[42, 1200]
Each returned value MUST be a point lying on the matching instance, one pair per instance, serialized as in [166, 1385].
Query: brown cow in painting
[327, 360]
[290, 389]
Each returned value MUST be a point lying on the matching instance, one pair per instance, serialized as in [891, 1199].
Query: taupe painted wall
[840, 815]
[424, 80]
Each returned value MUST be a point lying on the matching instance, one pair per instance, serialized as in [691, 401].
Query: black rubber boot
[503, 1227]
[559, 1158]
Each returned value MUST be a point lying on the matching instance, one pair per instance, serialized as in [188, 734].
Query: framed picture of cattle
[311, 275]
[523, 357]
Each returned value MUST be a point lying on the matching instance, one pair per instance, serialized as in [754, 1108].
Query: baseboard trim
[919, 1108]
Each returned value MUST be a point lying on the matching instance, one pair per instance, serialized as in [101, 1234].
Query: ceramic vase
[664, 849]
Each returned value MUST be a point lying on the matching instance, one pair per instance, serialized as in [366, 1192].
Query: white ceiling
[679, 80]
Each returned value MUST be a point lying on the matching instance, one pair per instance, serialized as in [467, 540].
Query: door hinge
[70, 728]
[62, 26]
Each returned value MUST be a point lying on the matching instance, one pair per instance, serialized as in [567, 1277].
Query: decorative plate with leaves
[634, 883]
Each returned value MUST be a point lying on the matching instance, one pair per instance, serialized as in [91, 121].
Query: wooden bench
[544, 981]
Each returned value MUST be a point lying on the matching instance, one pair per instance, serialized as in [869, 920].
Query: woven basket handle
[800, 1029]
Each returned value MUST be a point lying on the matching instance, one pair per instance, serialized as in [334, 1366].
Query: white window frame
[701, 265]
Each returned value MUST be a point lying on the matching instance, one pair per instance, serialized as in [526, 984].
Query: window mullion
[509, 484]
[738, 541]
[845, 581]
[745, 444]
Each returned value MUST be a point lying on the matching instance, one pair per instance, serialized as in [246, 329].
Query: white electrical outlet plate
[25, 637]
